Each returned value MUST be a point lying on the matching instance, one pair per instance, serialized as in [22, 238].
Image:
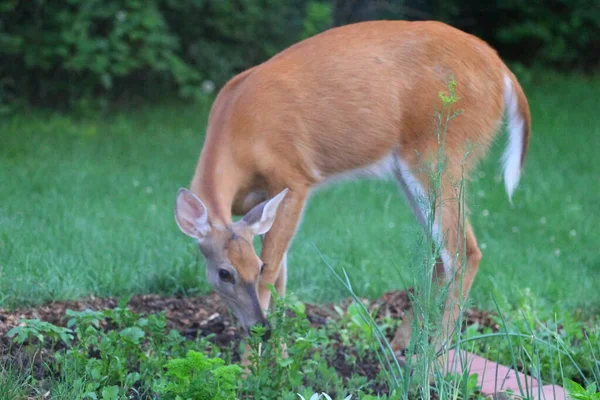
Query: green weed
[14, 384]
[577, 392]
[197, 377]
[35, 329]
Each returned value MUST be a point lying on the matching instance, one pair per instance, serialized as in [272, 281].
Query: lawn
[87, 208]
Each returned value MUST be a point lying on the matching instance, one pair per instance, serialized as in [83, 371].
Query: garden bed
[204, 315]
[340, 354]
[207, 316]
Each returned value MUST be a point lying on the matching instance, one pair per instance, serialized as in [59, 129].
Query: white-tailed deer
[355, 100]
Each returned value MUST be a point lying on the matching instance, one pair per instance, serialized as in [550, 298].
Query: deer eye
[225, 275]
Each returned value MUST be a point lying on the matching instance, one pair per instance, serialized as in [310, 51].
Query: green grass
[13, 383]
[86, 207]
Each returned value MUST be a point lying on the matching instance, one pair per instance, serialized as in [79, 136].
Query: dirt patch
[204, 315]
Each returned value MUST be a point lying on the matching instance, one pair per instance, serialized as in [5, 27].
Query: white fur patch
[511, 159]
[382, 169]
[268, 214]
[202, 226]
[420, 202]
[392, 166]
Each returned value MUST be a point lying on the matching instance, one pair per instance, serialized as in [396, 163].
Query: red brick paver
[494, 378]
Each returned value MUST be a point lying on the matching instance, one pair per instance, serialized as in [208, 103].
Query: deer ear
[191, 215]
[261, 217]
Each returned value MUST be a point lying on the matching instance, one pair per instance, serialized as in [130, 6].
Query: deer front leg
[276, 244]
[281, 281]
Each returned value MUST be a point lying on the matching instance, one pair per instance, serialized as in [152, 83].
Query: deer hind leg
[459, 258]
[465, 256]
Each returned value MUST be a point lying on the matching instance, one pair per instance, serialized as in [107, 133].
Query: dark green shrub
[76, 50]
[562, 33]
[64, 51]
[223, 37]
[318, 18]
[83, 52]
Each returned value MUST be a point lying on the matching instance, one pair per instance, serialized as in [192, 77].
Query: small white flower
[557, 252]
[121, 15]
[573, 233]
[485, 212]
[481, 174]
[208, 87]
[481, 193]
[515, 229]
[153, 207]
[483, 246]
[317, 396]
[543, 220]
[136, 183]
[391, 225]
[148, 189]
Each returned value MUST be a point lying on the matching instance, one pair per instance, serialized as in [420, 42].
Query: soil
[205, 315]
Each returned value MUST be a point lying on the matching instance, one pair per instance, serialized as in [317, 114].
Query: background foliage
[73, 51]
[553, 33]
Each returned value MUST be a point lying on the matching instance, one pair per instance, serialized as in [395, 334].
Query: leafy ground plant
[298, 357]
[119, 354]
[40, 330]
[105, 354]
[116, 354]
[197, 377]
[577, 392]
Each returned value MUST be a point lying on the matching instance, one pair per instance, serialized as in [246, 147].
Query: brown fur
[340, 101]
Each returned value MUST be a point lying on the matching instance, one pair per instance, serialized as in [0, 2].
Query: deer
[353, 101]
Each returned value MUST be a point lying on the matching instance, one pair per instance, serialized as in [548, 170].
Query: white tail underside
[511, 159]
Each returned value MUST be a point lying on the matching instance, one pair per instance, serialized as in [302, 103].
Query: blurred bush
[221, 37]
[80, 51]
[318, 18]
[64, 51]
[90, 51]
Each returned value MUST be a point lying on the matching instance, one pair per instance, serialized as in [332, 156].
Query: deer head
[233, 268]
